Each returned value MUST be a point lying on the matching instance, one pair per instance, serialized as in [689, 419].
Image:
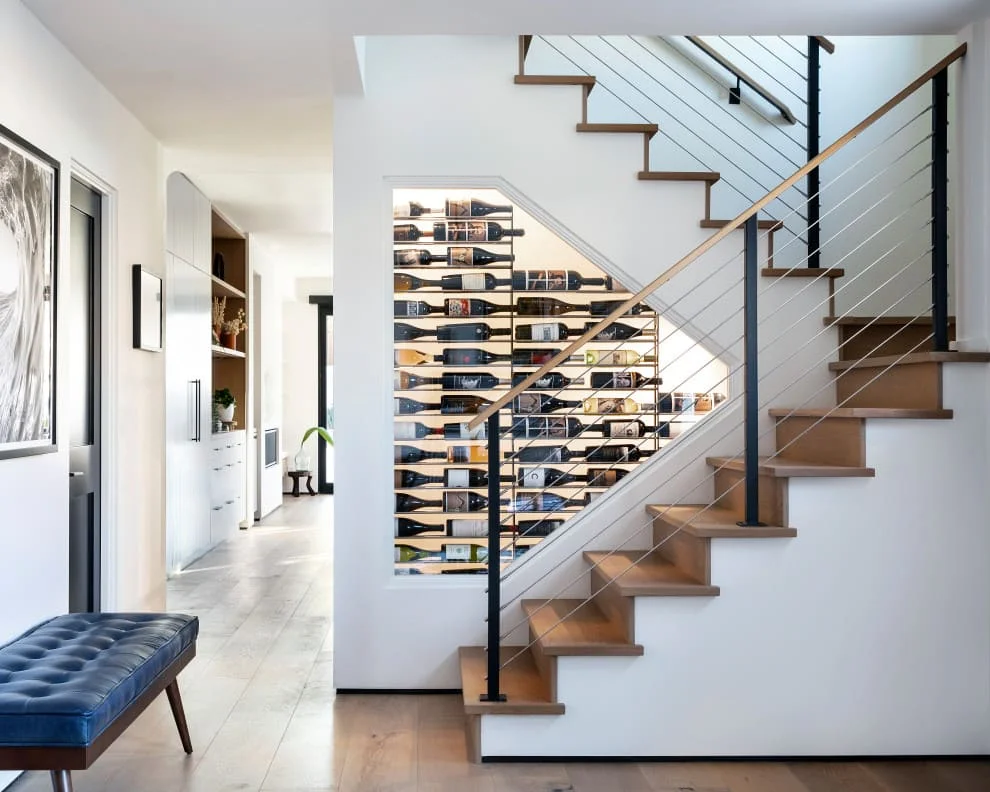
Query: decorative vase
[229, 340]
[301, 460]
[226, 414]
[218, 266]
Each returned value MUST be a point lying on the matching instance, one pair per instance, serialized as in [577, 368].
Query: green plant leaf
[318, 429]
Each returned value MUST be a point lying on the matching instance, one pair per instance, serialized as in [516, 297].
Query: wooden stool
[296, 475]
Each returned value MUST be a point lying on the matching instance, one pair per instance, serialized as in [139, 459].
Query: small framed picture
[147, 292]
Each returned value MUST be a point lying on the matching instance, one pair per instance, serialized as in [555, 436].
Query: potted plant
[224, 401]
[231, 328]
[301, 459]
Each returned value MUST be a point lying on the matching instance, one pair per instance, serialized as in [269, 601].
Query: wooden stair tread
[527, 692]
[645, 129]
[714, 523]
[702, 176]
[763, 225]
[880, 321]
[654, 576]
[555, 79]
[860, 412]
[779, 467]
[576, 627]
[911, 359]
[802, 272]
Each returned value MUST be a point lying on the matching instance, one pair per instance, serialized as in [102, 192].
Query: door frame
[109, 351]
[324, 305]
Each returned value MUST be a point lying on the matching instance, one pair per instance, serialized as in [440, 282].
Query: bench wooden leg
[175, 702]
[61, 781]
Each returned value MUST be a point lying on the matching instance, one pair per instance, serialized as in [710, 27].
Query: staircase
[886, 371]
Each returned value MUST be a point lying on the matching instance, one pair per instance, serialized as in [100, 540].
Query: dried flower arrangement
[236, 325]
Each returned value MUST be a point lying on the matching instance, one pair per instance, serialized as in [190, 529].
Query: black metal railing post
[752, 376]
[814, 144]
[492, 692]
[940, 210]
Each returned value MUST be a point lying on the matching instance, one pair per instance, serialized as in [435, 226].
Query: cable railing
[905, 216]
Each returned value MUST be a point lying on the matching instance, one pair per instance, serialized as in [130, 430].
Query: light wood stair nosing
[716, 523]
[641, 129]
[555, 79]
[912, 358]
[880, 321]
[792, 468]
[861, 412]
[763, 225]
[802, 272]
[702, 176]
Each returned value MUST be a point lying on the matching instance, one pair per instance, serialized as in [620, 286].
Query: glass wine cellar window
[484, 295]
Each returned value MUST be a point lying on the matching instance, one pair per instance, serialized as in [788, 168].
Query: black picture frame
[147, 296]
[30, 195]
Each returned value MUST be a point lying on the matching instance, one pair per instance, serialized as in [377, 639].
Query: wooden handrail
[717, 237]
[825, 44]
[742, 76]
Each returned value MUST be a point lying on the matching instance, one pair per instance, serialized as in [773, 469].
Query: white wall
[581, 186]
[49, 99]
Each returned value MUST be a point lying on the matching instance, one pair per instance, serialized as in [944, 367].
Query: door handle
[199, 412]
[76, 473]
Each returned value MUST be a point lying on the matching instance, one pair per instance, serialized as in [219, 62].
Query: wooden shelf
[223, 289]
[224, 352]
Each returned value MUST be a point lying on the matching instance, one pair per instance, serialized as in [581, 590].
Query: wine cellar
[484, 295]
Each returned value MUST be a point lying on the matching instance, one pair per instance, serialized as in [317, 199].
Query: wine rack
[464, 334]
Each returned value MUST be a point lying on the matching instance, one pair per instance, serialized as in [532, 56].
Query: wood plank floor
[264, 717]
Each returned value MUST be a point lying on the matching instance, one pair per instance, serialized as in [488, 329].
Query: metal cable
[802, 99]
[758, 42]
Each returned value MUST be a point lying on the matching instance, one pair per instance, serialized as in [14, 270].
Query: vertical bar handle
[492, 692]
[814, 145]
[752, 377]
[940, 210]
[199, 412]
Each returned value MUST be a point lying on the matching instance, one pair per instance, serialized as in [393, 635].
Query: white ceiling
[240, 91]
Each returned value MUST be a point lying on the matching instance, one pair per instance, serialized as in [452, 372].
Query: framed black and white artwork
[28, 256]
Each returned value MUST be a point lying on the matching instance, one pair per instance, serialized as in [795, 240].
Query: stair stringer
[868, 634]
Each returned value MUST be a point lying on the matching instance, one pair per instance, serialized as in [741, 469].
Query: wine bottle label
[600, 477]
[404, 430]
[458, 478]
[457, 307]
[412, 308]
[534, 477]
[473, 281]
[462, 230]
[622, 381]
[624, 429]
[545, 280]
[456, 502]
[549, 331]
[546, 381]
[590, 496]
[397, 379]
[405, 233]
[407, 258]
[614, 332]
[459, 208]
[458, 552]
[464, 432]
[467, 529]
[465, 382]
[467, 454]
[460, 257]
[684, 403]
[617, 357]
[528, 403]
[607, 405]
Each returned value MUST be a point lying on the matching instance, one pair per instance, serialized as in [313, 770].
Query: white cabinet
[228, 458]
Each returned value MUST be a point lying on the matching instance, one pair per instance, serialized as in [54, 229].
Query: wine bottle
[406, 406]
[605, 307]
[467, 455]
[460, 553]
[415, 308]
[463, 478]
[470, 231]
[405, 527]
[604, 477]
[473, 381]
[542, 502]
[469, 357]
[702, 402]
[537, 528]
[408, 232]
[456, 501]
[408, 503]
[411, 454]
[403, 380]
[472, 331]
[546, 306]
[542, 477]
[545, 331]
[471, 281]
[629, 429]
[616, 357]
[615, 453]
[552, 380]
[547, 427]
[621, 380]
[462, 307]
[415, 258]
[545, 455]
[410, 209]
[462, 405]
[555, 280]
[536, 357]
[474, 257]
[607, 406]
[617, 332]
[410, 357]
[410, 478]
[408, 332]
[407, 430]
[536, 403]
[473, 207]
[461, 431]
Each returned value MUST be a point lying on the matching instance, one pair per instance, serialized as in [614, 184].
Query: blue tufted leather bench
[71, 685]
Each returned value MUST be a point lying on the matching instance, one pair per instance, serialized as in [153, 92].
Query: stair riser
[545, 664]
[690, 553]
[829, 441]
[878, 341]
[918, 386]
[618, 608]
[773, 496]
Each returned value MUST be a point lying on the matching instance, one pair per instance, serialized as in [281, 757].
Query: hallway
[263, 716]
